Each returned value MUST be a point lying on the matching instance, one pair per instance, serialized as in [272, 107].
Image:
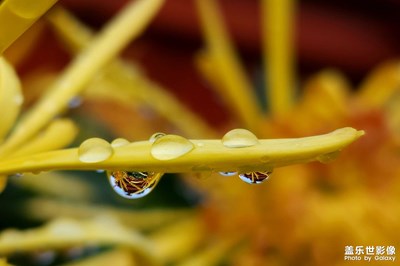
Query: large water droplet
[328, 157]
[228, 173]
[133, 185]
[255, 177]
[239, 138]
[170, 147]
[94, 150]
[156, 136]
[119, 142]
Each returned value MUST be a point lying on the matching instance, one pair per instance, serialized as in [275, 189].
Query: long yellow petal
[10, 97]
[180, 155]
[278, 53]
[237, 87]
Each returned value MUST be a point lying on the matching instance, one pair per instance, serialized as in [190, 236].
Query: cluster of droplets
[164, 147]
[242, 138]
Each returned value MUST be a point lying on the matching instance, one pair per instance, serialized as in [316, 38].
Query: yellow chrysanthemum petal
[64, 233]
[19, 15]
[202, 155]
[381, 84]
[10, 96]
[57, 135]
[278, 54]
[237, 88]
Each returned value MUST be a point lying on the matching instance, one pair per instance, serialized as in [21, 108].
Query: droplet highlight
[156, 136]
[119, 142]
[94, 150]
[239, 138]
[228, 173]
[255, 177]
[170, 147]
[133, 185]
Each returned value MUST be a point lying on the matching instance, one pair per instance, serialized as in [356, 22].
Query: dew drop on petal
[328, 157]
[170, 147]
[133, 185]
[228, 173]
[94, 150]
[156, 136]
[119, 142]
[255, 177]
[239, 138]
[75, 102]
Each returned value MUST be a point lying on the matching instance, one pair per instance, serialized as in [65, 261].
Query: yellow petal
[237, 87]
[65, 233]
[19, 15]
[207, 155]
[57, 135]
[381, 84]
[10, 97]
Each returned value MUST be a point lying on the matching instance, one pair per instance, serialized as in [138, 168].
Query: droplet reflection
[255, 177]
[228, 173]
[133, 185]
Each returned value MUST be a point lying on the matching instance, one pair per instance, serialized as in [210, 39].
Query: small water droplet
[228, 173]
[170, 147]
[133, 185]
[328, 157]
[100, 171]
[119, 142]
[75, 102]
[94, 150]
[18, 99]
[239, 138]
[156, 136]
[255, 177]
[200, 144]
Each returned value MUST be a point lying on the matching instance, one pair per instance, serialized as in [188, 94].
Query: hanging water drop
[255, 177]
[156, 136]
[328, 157]
[170, 147]
[228, 173]
[239, 138]
[75, 102]
[94, 150]
[133, 185]
[119, 142]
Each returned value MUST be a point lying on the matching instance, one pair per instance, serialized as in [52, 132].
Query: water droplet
[255, 177]
[75, 102]
[156, 136]
[170, 147]
[18, 99]
[200, 144]
[239, 138]
[328, 157]
[228, 173]
[119, 142]
[100, 171]
[133, 185]
[94, 150]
